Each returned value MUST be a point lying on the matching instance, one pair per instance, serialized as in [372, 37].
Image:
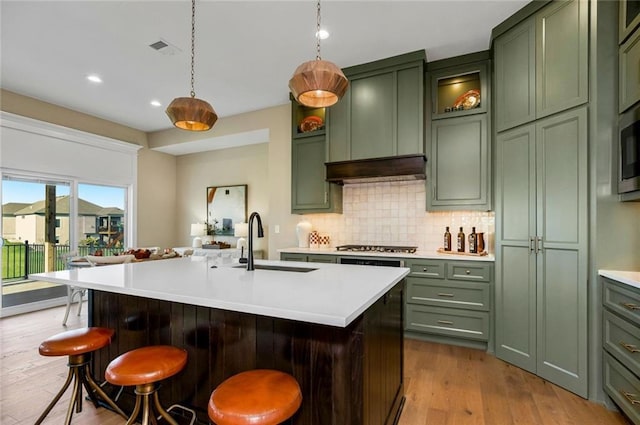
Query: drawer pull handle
[629, 347]
[630, 306]
[630, 397]
[442, 294]
[445, 322]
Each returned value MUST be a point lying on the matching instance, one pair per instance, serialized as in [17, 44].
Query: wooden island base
[351, 375]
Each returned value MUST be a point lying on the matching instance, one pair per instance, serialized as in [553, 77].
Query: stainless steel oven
[629, 152]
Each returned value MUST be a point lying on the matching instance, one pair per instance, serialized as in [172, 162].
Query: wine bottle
[447, 240]
[461, 240]
[473, 241]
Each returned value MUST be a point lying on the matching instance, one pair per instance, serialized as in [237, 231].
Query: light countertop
[627, 277]
[332, 294]
[417, 255]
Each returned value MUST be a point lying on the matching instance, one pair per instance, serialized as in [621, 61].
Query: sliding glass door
[35, 232]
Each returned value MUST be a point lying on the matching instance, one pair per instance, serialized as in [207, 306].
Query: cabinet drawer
[469, 271]
[622, 340]
[623, 387]
[468, 295]
[320, 258]
[293, 257]
[432, 269]
[448, 321]
[622, 300]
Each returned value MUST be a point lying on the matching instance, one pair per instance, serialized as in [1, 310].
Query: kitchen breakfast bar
[338, 329]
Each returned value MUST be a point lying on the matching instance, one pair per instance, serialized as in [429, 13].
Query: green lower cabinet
[450, 301]
[309, 258]
[310, 193]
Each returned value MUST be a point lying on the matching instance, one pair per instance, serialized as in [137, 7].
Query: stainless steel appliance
[629, 152]
[362, 261]
[378, 248]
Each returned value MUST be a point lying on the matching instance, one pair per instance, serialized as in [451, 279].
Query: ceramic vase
[303, 229]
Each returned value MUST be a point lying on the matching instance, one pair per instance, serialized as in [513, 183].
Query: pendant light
[318, 83]
[191, 113]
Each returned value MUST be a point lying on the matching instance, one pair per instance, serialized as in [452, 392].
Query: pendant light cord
[193, 42]
[318, 32]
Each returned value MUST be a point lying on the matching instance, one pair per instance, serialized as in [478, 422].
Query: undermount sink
[278, 268]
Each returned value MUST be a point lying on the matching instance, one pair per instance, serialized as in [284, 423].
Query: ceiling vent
[164, 47]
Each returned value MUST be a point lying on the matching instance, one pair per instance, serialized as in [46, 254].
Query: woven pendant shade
[190, 113]
[318, 84]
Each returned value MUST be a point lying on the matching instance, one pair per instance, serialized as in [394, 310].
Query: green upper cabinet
[515, 86]
[548, 53]
[459, 164]
[310, 193]
[629, 72]
[382, 113]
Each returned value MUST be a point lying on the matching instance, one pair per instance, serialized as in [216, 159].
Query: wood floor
[444, 385]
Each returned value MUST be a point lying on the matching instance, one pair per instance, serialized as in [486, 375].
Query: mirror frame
[215, 224]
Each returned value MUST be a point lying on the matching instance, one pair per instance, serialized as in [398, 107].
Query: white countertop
[627, 277]
[333, 294]
[417, 255]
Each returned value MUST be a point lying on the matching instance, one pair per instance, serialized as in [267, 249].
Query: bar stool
[78, 344]
[145, 367]
[255, 397]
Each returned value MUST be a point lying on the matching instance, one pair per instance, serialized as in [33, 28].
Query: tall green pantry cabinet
[541, 191]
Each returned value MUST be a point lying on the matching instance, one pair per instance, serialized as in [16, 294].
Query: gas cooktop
[378, 248]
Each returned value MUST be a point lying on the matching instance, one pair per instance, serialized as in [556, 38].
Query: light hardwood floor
[444, 385]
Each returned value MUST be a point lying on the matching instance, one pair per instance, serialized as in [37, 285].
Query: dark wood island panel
[349, 375]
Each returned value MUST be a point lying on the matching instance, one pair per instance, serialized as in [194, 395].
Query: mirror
[226, 206]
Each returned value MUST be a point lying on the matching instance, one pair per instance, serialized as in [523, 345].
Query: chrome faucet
[253, 215]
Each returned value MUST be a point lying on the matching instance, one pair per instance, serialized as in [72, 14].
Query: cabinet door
[561, 56]
[629, 72]
[459, 164]
[309, 190]
[372, 110]
[515, 261]
[561, 143]
[514, 54]
[409, 115]
[338, 130]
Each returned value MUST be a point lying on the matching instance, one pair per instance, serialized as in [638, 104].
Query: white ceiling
[246, 51]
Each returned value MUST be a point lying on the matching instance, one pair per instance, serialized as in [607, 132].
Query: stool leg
[56, 398]
[136, 410]
[76, 397]
[92, 385]
[161, 410]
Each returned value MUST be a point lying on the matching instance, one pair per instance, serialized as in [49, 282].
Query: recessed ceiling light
[94, 78]
[155, 103]
[324, 34]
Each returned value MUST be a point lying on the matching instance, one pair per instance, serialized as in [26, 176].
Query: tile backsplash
[393, 213]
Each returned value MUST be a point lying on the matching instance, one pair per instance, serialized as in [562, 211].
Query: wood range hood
[391, 168]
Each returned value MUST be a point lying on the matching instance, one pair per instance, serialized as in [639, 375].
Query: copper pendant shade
[190, 113]
[318, 83]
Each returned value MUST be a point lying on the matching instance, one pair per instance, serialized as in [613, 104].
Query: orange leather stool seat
[78, 344]
[255, 397]
[145, 367]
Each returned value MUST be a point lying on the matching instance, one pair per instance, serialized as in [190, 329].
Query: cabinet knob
[468, 272]
[424, 269]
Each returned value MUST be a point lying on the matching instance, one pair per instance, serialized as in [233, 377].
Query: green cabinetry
[310, 258]
[310, 193]
[459, 165]
[629, 72]
[621, 344]
[541, 65]
[449, 301]
[382, 113]
[541, 248]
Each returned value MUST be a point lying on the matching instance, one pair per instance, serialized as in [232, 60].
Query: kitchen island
[336, 328]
